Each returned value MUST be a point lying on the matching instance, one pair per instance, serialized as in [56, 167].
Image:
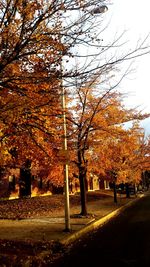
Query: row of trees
[103, 145]
[36, 39]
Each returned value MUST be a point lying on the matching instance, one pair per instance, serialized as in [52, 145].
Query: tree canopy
[43, 48]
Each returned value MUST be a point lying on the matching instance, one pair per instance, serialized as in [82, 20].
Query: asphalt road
[125, 241]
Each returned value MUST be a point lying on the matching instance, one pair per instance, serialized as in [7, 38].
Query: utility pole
[65, 150]
[95, 11]
[66, 177]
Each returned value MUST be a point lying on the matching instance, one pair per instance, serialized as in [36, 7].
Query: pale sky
[133, 16]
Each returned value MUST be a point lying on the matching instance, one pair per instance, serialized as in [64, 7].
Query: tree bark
[82, 167]
[127, 191]
[115, 192]
[25, 180]
[82, 179]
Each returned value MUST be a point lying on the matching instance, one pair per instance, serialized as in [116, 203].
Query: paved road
[124, 242]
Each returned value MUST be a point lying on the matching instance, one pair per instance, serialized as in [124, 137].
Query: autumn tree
[35, 35]
[30, 54]
[125, 156]
[122, 157]
[40, 43]
[140, 165]
[98, 118]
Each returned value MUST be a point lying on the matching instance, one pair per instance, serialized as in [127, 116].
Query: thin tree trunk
[115, 192]
[82, 178]
[127, 191]
[25, 181]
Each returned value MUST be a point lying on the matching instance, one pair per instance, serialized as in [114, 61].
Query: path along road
[125, 241]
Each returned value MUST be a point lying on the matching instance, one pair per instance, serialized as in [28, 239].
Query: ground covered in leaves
[45, 206]
[25, 254]
[19, 253]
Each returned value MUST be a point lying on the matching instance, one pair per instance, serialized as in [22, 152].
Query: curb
[97, 223]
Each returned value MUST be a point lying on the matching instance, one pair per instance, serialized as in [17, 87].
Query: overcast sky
[133, 17]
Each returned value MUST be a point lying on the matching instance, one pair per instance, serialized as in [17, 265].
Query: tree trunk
[115, 192]
[82, 168]
[127, 191]
[82, 179]
[25, 181]
[40, 183]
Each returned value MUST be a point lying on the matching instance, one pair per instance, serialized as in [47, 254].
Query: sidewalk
[51, 229]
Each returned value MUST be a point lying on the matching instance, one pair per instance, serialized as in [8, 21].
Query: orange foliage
[101, 139]
[30, 110]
